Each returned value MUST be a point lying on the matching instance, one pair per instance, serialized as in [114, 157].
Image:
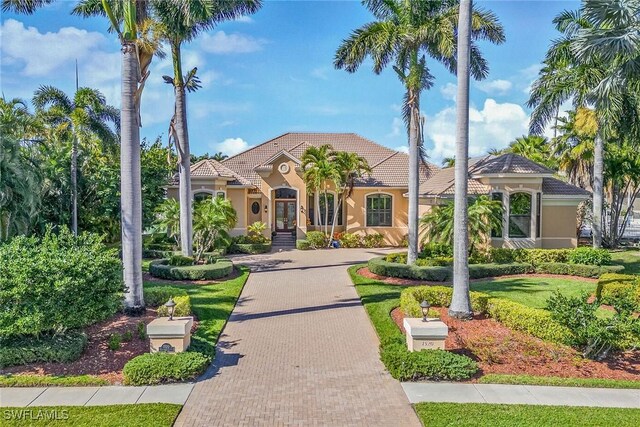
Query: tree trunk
[326, 212]
[598, 173]
[74, 184]
[130, 180]
[184, 167]
[335, 215]
[460, 302]
[414, 179]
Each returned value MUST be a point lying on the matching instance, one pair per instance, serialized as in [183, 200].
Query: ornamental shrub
[350, 240]
[317, 239]
[593, 271]
[161, 268]
[57, 282]
[439, 261]
[590, 256]
[435, 249]
[303, 244]
[374, 240]
[480, 271]
[539, 256]
[250, 248]
[439, 296]
[20, 350]
[158, 295]
[436, 365]
[612, 287]
[156, 368]
[182, 308]
[181, 260]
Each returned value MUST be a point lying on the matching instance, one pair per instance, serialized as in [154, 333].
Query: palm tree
[573, 149]
[569, 76]
[460, 300]
[350, 166]
[406, 31]
[219, 156]
[23, 6]
[180, 23]
[533, 147]
[212, 221]
[85, 115]
[485, 215]
[319, 169]
[168, 218]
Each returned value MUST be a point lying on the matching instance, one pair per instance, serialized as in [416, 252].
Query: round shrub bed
[220, 268]
[156, 368]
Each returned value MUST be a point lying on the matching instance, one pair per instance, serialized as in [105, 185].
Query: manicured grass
[151, 414]
[378, 299]
[212, 304]
[630, 259]
[483, 414]
[557, 381]
[533, 291]
[10, 380]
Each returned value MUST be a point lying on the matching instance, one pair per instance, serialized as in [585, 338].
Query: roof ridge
[385, 159]
[255, 146]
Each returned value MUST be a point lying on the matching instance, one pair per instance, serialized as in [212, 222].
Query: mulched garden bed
[97, 359]
[500, 350]
[364, 271]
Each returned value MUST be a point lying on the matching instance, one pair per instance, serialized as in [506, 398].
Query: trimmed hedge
[593, 271]
[404, 365]
[157, 296]
[249, 248]
[317, 240]
[156, 368]
[612, 287]
[161, 268]
[411, 298]
[303, 245]
[182, 308]
[590, 256]
[533, 321]
[54, 348]
[514, 315]
[480, 271]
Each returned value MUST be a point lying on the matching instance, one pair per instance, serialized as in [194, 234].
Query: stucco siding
[356, 214]
[559, 225]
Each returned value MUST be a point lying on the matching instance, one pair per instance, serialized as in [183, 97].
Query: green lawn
[24, 380]
[534, 291]
[212, 304]
[150, 414]
[491, 415]
[558, 381]
[630, 259]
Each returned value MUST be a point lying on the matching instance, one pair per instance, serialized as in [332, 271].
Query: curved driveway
[299, 349]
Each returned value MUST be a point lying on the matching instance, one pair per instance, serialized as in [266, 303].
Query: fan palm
[350, 166]
[181, 22]
[405, 33]
[319, 170]
[86, 115]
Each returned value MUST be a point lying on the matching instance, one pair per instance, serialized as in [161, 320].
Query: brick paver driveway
[299, 349]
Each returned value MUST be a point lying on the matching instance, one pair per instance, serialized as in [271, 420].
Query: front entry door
[285, 215]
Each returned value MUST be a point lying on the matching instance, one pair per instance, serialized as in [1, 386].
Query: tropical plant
[533, 147]
[256, 231]
[212, 220]
[77, 119]
[181, 22]
[350, 166]
[485, 215]
[319, 170]
[405, 33]
[168, 218]
[573, 148]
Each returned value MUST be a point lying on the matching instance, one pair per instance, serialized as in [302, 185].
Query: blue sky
[272, 73]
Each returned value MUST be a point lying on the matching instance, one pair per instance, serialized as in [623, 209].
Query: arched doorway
[286, 204]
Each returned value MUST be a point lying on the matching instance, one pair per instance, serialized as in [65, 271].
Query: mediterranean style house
[265, 183]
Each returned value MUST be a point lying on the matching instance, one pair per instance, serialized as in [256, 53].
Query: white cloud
[397, 128]
[244, 20]
[449, 91]
[230, 146]
[223, 43]
[494, 126]
[320, 73]
[403, 149]
[42, 53]
[495, 87]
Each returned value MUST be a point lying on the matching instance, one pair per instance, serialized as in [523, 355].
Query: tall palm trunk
[335, 217]
[598, 172]
[74, 184]
[182, 145]
[326, 211]
[414, 179]
[460, 304]
[130, 180]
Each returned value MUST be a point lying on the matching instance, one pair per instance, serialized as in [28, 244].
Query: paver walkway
[299, 349]
[521, 394]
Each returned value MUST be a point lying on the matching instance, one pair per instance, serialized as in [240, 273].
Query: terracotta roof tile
[506, 163]
[209, 168]
[442, 183]
[556, 187]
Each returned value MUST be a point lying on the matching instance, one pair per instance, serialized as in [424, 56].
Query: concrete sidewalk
[521, 394]
[93, 396]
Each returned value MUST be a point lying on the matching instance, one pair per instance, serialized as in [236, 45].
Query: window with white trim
[379, 210]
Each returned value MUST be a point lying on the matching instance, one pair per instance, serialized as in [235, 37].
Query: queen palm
[319, 169]
[404, 34]
[180, 23]
[79, 118]
[350, 166]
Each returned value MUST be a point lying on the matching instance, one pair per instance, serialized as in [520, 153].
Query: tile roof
[556, 187]
[506, 163]
[389, 166]
[209, 168]
[442, 184]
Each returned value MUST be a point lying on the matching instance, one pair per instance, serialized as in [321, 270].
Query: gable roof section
[389, 166]
[555, 187]
[442, 184]
[506, 164]
[209, 168]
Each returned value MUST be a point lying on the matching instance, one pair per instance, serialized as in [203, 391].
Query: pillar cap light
[424, 306]
[171, 306]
